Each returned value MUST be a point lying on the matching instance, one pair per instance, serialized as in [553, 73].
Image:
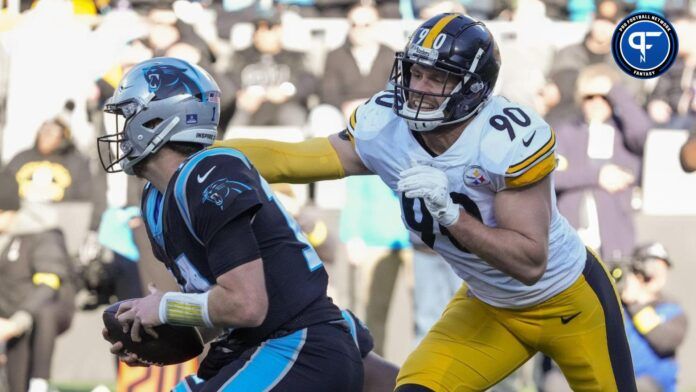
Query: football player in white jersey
[474, 175]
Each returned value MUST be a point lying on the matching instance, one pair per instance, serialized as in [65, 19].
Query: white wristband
[185, 309]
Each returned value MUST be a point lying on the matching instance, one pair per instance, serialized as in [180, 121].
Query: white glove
[433, 186]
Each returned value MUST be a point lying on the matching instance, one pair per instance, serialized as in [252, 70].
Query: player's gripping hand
[141, 313]
[117, 349]
[433, 186]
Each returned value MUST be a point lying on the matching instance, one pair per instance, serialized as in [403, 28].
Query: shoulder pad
[369, 118]
[213, 187]
[534, 160]
[517, 144]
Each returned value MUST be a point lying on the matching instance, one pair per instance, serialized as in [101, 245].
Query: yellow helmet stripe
[353, 118]
[436, 30]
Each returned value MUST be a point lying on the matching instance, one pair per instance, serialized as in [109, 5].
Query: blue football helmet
[461, 47]
[158, 101]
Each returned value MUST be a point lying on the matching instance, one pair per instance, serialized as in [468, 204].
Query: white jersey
[505, 146]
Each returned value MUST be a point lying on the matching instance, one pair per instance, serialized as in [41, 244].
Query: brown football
[175, 344]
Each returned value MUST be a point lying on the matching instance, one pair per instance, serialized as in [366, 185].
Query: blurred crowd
[71, 239]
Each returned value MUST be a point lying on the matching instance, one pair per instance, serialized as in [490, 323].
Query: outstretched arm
[519, 245]
[308, 161]
[344, 145]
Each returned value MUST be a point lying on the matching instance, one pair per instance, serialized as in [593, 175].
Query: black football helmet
[463, 48]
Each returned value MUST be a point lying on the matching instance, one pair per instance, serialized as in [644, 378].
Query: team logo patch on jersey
[474, 176]
[220, 190]
[644, 45]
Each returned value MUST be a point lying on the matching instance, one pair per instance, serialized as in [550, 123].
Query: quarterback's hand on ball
[433, 186]
[117, 349]
[141, 312]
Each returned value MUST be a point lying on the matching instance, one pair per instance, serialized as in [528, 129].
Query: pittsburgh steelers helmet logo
[644, 45]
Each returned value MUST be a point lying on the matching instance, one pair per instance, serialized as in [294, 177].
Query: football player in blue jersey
[241, 261]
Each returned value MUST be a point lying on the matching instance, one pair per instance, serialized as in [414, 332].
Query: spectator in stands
[274, 83]
[355, 71]
[673, 101]
[599, 155]
[582, 10]
[53, 170]
[526, 57]
[51, 47]
[594, 49]
[194, 55]
[166, 30]
[163, 30]
[427, 9]
[334, 8]
[231, 12]
[610, 9]
[655, 324]
[484, 10]
[559, 92]
[36, 289]
[352, 73]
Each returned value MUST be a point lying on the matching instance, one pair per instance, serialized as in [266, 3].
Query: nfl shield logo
[192, 119]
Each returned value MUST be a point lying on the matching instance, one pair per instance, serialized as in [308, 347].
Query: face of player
[429, 81]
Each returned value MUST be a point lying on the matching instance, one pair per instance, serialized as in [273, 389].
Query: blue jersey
[646, 362]
[217, 214]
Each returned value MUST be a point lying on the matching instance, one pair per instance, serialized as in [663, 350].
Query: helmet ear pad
[468, 99]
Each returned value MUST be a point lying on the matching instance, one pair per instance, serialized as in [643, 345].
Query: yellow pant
[474, 345]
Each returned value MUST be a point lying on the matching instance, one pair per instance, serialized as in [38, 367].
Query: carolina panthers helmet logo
[167, 80]
[219, 190]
